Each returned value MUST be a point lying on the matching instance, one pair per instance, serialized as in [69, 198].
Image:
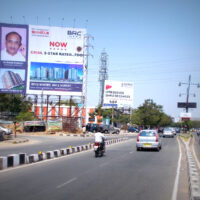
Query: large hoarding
[13, 58]
[56, 61]
[118, 94]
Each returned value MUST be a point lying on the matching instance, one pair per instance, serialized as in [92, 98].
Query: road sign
[187, 105]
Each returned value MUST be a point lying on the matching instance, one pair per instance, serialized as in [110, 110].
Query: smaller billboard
[54, 125]
[185, 116]
[13, 58]
[118, 94]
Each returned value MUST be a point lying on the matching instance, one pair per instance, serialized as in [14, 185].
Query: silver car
[148, 139]
[168, 132]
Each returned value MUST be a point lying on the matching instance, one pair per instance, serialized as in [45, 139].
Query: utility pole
[103, 75]
[86, 54]
[187, 106]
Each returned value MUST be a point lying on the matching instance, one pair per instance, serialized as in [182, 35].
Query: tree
[150, 114]
[25, 116]
[15, 104]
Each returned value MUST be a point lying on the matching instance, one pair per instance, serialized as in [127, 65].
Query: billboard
[118, 94]
[185, 115]
[13, 58]
[55, 63]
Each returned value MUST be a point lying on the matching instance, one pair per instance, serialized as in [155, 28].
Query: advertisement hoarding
[118, 94]
[13, 58]
[54, 125]
[186, 115]
[55, 60]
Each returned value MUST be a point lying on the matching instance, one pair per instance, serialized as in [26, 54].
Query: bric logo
[108, 87]
[74, 34]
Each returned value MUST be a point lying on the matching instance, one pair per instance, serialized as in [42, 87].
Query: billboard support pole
[70, 113]
[42, 104]
[59, 106]
[112, 115]
[47, 107]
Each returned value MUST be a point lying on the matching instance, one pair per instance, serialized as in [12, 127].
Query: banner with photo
[55, 60]
[13, 58]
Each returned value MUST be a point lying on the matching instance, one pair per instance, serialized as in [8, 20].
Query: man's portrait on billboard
[13, 44]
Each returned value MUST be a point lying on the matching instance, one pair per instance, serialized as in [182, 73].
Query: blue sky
[153, 43]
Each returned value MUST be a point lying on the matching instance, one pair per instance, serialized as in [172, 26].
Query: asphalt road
[123, 173]
[46, 143]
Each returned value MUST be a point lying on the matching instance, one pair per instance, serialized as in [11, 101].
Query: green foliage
[68, 102]
[103, 112]
[150, 114]
[14, 103]
[195, 124]
[25, 116]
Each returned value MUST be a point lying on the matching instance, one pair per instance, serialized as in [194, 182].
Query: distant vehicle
[168, 132]
[148, 139]
[109, 129]
[133, 129]
[178, 130]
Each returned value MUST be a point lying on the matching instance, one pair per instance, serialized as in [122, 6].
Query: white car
[168, 132]
[148, 139]
[5, 131]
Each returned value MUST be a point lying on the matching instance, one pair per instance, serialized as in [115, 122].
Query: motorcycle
[98, 149]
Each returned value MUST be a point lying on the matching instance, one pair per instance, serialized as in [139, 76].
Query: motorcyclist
[99, 137]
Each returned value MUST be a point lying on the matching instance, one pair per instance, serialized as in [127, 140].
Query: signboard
[189, 105]
[118, 94]
[13, 58]
[185, 115]
[55, 63]
[54, 125]
[34, 123]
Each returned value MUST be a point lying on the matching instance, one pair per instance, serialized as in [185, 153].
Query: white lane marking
[175, 189]
[67, 182]
[131, 152]
[194, 153]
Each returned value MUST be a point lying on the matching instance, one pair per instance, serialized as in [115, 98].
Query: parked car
[168, 132]
[5, 131]
[133, 129]
[148, 139]
[109, 129]
[93, 128]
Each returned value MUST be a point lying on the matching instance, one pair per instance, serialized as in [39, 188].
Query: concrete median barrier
[50, 154]
[3, 162]
[22, 158]
[57, 153]
[13, 160]
[69, 151]
[63, 152]
[33, 158]
[42, 156]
